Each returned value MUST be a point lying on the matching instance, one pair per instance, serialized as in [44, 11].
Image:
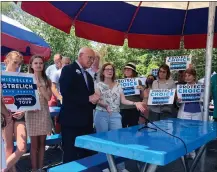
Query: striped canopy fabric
[15, 36]
[149, 25]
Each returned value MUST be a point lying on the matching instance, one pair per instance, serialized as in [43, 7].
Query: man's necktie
[85, 76]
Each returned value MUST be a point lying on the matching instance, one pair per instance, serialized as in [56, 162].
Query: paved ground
[54, 156]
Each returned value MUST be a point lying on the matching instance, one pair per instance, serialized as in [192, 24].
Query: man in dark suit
[79, 99]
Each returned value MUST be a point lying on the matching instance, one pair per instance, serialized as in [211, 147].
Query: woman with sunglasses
[17, 128]
[159, 112]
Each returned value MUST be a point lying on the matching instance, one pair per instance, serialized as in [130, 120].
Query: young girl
[39, 122]
[107, 115]
[17, 127]
[192, 110]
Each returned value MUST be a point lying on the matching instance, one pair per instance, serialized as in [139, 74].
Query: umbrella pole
[209, 50]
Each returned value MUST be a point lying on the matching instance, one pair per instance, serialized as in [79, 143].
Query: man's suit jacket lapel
[84, 82]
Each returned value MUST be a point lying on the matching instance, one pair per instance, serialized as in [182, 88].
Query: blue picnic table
[154, 148]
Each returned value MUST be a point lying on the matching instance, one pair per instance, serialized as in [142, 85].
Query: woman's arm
[4, 111]
[141, 88]
[145, 97]
[125, 101]
[45, 90]
[139, 105]
[101, 103]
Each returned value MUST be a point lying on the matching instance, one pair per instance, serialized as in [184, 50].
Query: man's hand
[94, 98]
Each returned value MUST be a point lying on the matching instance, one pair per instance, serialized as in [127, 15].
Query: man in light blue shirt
[55, 67]
[55, 79]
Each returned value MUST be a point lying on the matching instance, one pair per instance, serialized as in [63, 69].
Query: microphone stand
[146, 124]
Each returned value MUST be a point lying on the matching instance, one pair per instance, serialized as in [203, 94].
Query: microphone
[146, 123]
[146, 126]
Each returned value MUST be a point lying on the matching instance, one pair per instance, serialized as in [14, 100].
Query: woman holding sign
[159, 112]
[130, 114]
[17, 128]
[190, 110]
[38, 122]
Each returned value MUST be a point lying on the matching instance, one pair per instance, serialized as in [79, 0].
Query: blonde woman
[17, 128]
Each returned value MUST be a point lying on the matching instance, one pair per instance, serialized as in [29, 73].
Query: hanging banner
[190, 93]
[19, 91]
[177, 63]
[161, 96]
[130, 85]
[154, 72]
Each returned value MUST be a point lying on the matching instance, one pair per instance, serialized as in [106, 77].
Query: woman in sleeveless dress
[38, 123]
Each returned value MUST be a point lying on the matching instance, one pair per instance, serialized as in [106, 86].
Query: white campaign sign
[190, 93]
[19, 91]
[161, 96]
[129, 85]
[178, 62]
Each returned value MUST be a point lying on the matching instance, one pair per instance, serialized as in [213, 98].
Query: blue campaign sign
[190, 93]
[161, 96]
[154, 72]
[3, 66]
[178, 62]
[19, 91]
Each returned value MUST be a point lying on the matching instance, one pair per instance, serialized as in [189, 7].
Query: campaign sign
[161, 96]
[178, 62]
[190, 93]
[129, 86]
[19, 91]
[154, 72]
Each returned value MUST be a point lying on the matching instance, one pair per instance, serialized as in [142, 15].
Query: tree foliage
[69, 45]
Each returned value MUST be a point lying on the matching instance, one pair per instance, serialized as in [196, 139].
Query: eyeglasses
[92, 58]
[107, 70]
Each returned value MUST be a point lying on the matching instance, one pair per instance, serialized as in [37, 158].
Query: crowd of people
[91, 101]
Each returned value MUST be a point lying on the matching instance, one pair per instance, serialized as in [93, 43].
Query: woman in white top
[191, 110]
[107, 115]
